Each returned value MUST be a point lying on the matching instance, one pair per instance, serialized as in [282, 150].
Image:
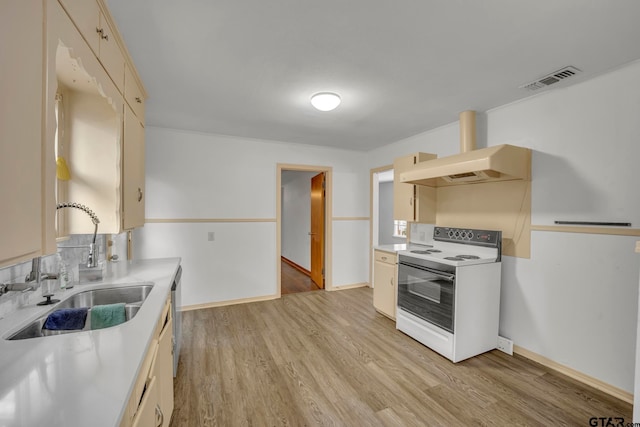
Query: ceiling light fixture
[325, 101]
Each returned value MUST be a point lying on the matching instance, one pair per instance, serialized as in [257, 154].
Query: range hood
[498, 163]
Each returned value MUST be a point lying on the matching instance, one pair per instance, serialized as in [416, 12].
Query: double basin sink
[132, 296]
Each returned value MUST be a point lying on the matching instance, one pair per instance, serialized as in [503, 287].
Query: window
[399, 228]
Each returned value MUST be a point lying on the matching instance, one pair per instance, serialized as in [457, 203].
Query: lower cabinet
[385, 283]
[149, 412]
[151, 403]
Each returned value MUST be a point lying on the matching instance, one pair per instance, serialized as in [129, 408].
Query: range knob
[470, 235]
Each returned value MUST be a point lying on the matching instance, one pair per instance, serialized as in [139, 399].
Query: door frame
[373, 214]
[328, 220]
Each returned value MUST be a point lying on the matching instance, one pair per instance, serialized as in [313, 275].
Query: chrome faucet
[92, 260]
[31, 281]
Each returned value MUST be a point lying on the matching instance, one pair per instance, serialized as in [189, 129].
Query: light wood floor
[294, 281]
[327, 358]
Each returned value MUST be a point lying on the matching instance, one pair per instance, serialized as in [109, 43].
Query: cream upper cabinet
[100, 134]
[21, 122]
[133, 191]
[412, 203]
[94, 26]
[89, 129]
[134, 94]
[385, 283]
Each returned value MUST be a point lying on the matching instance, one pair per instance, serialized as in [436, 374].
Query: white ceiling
[248, 67]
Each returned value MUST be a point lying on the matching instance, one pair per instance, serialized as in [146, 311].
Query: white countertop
[84, 378]
[391, 248]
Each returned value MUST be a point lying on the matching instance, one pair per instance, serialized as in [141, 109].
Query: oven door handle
[440, 274]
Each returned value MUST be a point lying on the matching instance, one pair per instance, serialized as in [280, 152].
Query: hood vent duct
[498, 163]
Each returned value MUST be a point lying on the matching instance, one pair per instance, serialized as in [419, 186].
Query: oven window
[427, 296]
[422, 289]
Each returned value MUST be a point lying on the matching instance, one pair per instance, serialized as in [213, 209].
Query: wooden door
[317, 229]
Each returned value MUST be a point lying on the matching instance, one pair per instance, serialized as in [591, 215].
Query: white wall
[576, 300]
[296, 217]
[194, 175]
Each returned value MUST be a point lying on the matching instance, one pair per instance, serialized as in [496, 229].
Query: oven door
[426, 293]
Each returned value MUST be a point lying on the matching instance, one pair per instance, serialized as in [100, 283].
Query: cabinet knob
[99, 31]
[384, 258]
[139, 194]
[138, 100]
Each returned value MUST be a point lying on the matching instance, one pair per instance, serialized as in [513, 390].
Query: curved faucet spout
[92, 260]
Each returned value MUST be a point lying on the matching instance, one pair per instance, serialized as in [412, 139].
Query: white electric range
[449, 290]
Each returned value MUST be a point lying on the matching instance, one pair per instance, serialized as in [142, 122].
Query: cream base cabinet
[151, 402]
[133, 172]
[385, 283]
[412, 203]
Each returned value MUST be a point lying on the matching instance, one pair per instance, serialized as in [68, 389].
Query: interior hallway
[294, 281]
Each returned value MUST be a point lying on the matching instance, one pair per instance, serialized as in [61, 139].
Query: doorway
[303, 228]
[384, 229]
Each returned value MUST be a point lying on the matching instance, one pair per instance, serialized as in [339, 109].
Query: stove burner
[468, 256]
[426, 251]
[454, 258]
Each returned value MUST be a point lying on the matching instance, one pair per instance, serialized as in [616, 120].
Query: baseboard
[229, 302]
[300, 268]
[576, 375]
[344, 287]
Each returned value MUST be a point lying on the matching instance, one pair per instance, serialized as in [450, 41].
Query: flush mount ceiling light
[325, 101]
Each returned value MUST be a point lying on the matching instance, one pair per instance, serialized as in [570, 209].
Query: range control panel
[468, 236]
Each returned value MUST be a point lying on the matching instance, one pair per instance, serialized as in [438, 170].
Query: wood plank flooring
[294, 281]
[328, 359]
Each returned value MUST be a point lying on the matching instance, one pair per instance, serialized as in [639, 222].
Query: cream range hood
[498, 163]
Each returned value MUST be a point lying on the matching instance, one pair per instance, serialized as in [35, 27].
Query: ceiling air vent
[552, 78]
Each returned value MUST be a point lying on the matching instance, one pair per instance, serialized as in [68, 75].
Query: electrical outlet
[211, 236]
[505, 345]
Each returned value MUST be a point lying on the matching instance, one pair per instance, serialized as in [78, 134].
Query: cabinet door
[403, 194]
[133, 171]
[384, 288]
[110, 54]
[149, 413]
[85, 14]
[133, 93]
[164, 371]
[412, 203]
[21, 103]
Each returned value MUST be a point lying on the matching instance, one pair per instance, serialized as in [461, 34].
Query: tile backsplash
[72, 256]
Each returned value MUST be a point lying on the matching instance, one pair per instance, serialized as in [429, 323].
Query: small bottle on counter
[64, 278]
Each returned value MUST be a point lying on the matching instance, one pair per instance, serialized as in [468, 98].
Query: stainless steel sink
[132, 296]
